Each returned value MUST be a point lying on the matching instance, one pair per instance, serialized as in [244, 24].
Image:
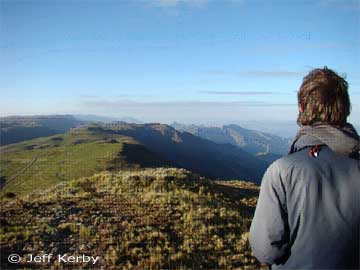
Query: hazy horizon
[282, 128]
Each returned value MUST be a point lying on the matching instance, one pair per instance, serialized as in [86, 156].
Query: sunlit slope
[42, 162]
[145, 219]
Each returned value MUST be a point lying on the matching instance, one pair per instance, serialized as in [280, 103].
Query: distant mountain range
[254, 142]
[284, 129]
[105, 119]
[55, 148]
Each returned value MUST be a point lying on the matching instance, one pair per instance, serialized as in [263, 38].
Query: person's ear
[300, 108]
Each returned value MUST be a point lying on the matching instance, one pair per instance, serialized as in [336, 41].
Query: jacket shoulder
[285, 163]
[287, 167]
[296, 159]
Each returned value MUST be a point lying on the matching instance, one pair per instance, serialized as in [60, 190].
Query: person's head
[323, 97]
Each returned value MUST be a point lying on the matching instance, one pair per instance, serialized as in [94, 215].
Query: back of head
[323, 98]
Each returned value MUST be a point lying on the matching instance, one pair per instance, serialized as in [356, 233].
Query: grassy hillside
[144, 219]
[43, 162]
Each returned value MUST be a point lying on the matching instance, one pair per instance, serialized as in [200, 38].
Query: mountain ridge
[252, 141]
[223, 161]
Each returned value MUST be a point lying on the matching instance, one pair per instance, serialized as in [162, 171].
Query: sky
[190, 61]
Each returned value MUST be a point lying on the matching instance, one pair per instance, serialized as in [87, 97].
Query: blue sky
[172, 60]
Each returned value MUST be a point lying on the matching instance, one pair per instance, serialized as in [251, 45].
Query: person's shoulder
[290, 164]
[287, 162]
[298, 159]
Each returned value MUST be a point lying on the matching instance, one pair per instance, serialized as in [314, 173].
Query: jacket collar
[343, 140]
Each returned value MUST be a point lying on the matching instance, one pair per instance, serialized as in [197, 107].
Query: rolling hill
[140, 219]
[43, 162]
[15, 129]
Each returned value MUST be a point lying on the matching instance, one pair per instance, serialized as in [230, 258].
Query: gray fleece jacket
[308, 212]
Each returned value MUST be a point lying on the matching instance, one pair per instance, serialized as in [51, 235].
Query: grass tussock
[145, 219]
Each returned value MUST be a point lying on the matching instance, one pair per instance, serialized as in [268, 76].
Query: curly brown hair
[323, 97]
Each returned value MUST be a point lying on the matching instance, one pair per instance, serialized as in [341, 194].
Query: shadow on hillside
[139, 155]
[236, 193]
[2, 181]
[215, 161]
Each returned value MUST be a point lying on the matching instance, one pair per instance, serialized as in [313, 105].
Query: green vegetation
[43, 162]
[140, 219]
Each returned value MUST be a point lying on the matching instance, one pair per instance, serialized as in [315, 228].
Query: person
[308, 212]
